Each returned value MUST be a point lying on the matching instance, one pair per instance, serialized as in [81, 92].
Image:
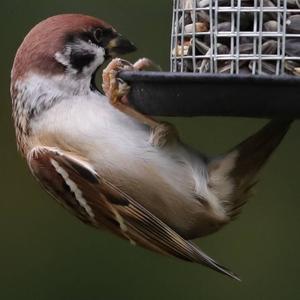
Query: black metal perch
[186, 94]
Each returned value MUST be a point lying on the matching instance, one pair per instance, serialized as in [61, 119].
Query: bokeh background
[47, 254]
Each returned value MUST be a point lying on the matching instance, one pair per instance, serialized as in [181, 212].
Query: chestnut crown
[72, 43]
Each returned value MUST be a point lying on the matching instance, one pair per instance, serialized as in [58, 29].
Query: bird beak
[119, 45]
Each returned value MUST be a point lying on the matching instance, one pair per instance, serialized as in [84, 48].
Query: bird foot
[161, 135]
[142, 64]
[117, 90]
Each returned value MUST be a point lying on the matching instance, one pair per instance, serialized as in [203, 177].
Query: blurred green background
[47, 254]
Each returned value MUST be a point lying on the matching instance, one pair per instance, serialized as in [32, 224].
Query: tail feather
[202, 258]
[240, 166]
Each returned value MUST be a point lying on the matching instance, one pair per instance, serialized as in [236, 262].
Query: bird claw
[162, 134]
[115, 88]
[143, 63]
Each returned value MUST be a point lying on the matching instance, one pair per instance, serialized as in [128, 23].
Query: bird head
[69, 44]
[58, 59]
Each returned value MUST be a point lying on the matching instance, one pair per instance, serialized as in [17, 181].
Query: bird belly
[160, 179]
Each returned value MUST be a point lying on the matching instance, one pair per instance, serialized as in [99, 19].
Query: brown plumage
[36, 51]
[249, 157]
[137, 180]
[111, 208]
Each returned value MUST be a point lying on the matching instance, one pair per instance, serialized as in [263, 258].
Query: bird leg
[117, 91]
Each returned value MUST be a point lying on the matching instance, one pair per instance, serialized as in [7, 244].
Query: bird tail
[234, 174]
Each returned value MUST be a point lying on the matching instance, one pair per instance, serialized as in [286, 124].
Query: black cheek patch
[80, 60]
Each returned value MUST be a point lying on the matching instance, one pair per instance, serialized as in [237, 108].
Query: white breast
[106, 136]
[163, 180]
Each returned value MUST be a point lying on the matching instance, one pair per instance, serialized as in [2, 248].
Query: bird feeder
[227, 58]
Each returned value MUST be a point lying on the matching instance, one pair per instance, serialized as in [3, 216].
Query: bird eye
[98, 33]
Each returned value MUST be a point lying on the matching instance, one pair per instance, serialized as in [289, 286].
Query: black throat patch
[79, 60]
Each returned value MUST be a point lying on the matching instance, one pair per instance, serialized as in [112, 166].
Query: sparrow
[109, 165]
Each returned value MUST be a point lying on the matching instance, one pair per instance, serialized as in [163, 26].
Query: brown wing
[99, 203]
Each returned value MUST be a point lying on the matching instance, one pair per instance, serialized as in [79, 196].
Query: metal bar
[177, 94]
[238, 25]
[260, 35]
[248, 9]
[211, 36]
[278, 52]
[194, 36]
[254, 61]
[244, 57]
[214, 46]
[231, 39]
[284, 36]
[182, 36]
[244, 33]
[172, 42]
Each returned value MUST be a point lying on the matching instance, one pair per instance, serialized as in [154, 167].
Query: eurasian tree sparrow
[112, 171]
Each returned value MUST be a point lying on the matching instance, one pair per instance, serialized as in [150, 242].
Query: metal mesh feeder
[236, 36]
[243, 57]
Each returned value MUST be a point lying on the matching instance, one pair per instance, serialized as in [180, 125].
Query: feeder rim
[178, 77]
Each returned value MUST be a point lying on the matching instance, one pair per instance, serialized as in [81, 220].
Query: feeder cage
[236, 36]
[228, 58]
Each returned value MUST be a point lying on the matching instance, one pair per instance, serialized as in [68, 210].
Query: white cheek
[63, 58]
[99, 59]
[100, 56]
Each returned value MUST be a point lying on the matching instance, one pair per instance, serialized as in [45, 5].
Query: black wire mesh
[236, 36]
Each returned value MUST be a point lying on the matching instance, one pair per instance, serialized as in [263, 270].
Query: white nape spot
[100, 54]
[63, 58]
[73, 187]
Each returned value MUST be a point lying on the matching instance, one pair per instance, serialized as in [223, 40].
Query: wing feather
[98, 202]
